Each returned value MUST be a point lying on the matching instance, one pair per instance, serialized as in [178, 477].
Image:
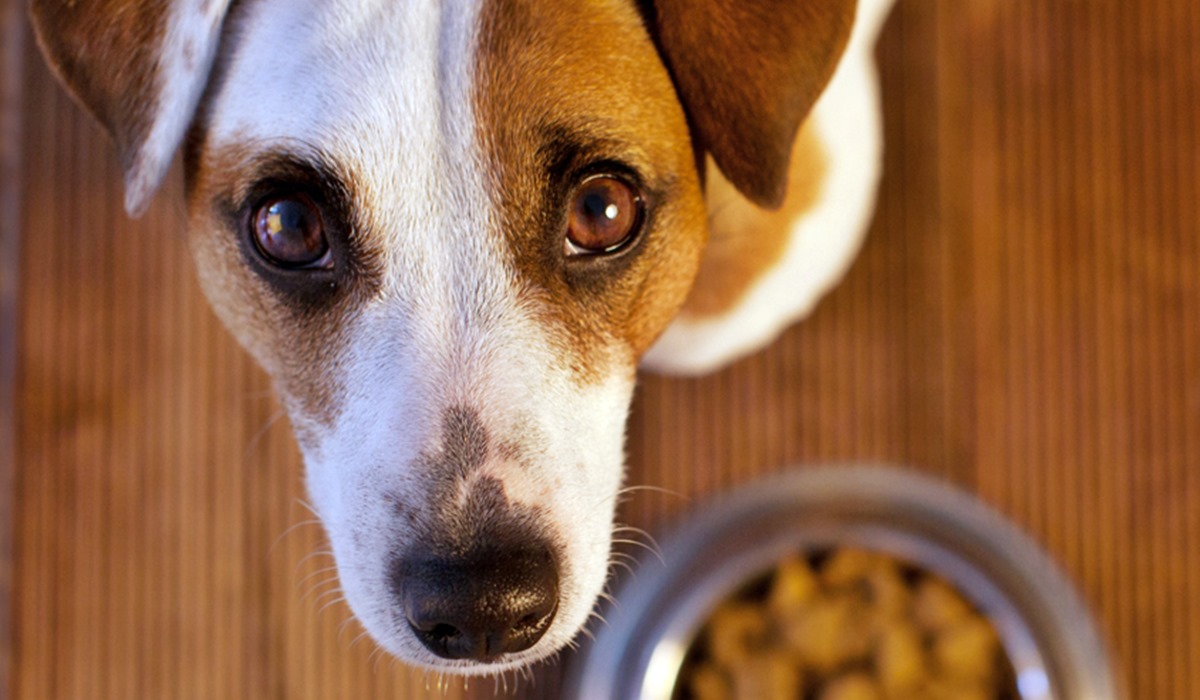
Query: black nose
[480, 605]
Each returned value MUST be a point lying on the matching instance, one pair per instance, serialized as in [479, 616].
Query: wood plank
[12, 60]
[1024, 321]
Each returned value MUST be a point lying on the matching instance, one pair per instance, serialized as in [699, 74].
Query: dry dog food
[847, 624]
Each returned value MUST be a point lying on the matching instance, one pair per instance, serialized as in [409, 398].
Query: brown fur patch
[746, 240]
[565, 88]
[749, 71]
[105, 52]
[293, 324]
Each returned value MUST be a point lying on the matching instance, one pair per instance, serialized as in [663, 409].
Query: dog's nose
[491, 602]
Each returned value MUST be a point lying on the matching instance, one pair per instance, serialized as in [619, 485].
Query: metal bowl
[1044, 628]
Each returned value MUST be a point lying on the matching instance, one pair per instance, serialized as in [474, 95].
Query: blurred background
[1023, 322]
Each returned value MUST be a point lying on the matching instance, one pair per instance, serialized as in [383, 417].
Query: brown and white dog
[450, 230]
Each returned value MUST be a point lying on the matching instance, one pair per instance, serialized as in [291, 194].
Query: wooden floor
[1024, 321]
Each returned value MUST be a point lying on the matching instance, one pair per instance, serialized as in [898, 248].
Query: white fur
[824, 240]
[185, 59]
[385, 89]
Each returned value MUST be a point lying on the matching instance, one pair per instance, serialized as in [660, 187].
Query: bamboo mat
[11, 83]
[1024, 321]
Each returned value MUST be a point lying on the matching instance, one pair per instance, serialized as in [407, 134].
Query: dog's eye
[606, 214]
[288, 232]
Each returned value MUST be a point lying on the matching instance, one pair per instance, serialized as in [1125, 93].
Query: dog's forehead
[376, 82]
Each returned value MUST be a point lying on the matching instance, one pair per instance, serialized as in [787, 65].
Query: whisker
[323, 594]
[309, 507]
[639, 488]
[328, 573]
[617, 563]
[610, 599]
[597, 615]
[313, 592]
[291, 528]
[333, 601]
[378, 656]
[624, 557]
[342, 627]
[643, 545]
[357, 639]
[621, 528]
[587, 632]
[316, 587]
[254, 441]
[318, 572]
[310, 555]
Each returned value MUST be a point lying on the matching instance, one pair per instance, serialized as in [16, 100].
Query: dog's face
[448, 230]
[458, 370]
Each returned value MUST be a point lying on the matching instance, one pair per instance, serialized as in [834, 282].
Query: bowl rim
[735, 536]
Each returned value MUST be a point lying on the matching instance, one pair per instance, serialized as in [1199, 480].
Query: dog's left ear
[140, 67]
[748, 72]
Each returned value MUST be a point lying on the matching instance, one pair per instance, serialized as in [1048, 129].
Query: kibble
[847, 624]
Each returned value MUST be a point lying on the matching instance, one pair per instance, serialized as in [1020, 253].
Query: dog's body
[450, 231]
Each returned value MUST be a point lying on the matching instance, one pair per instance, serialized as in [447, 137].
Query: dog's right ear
[140, 67]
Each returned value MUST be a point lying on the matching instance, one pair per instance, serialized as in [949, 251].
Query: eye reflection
[606, 213]
[289, 232]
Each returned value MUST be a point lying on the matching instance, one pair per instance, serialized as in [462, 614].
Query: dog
[450, 230]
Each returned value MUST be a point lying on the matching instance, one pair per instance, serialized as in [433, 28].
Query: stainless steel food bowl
[1044, 628]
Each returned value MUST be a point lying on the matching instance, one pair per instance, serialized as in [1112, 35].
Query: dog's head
[448, 230]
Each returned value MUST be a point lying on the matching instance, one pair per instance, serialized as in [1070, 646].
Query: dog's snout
[492, 602]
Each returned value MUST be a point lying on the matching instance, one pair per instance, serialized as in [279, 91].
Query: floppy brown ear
[139, 67]
[748, 72]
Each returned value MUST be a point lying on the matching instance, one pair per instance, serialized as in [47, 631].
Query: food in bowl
[655, 640]
[847, 624]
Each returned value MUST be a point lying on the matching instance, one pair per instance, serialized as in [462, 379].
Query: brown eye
[606, 213]
[289, 233]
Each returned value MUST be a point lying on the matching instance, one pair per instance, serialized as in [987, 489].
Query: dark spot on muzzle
[463, 450]
[464, 442]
